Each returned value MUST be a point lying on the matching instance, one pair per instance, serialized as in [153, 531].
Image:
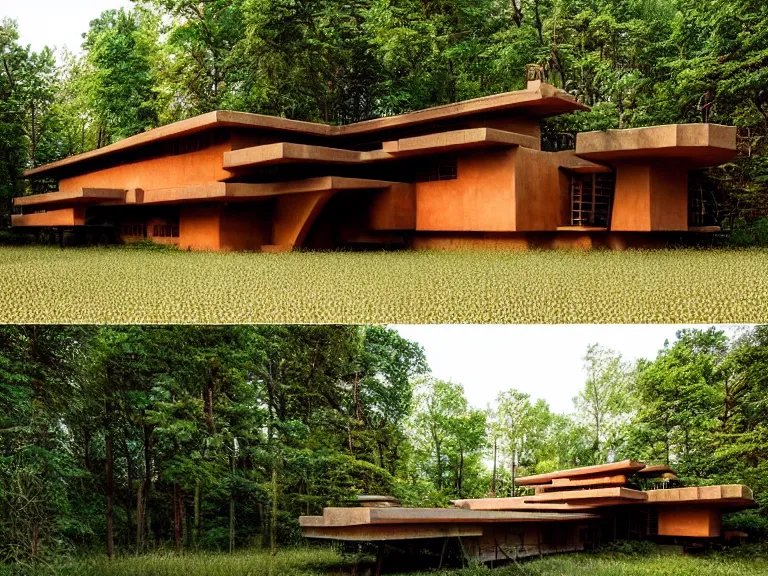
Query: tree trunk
[147, 485]
[273, 513]
[178, 517]
[493, 476]
[110, 477]
[197, 520]
[139, 517]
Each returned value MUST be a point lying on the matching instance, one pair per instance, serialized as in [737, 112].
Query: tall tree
[604, 404]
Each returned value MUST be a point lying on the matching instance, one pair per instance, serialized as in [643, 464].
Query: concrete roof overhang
[697, 145]
[215, 191]
[539, 101]
[63, 199]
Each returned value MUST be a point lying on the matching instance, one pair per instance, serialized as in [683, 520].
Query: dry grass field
[144, 285]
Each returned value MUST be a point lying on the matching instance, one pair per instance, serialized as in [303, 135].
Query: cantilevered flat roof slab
[699, 145]
[626, 467]
[597, 496]
[516, 503]
[729, 495]
[227, 191]
[290, 153]
[538, 100]
[63, 198]
[359, 516]
[363, 524]
[460, 139]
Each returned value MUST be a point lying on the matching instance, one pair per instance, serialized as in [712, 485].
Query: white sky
[56, 23]
[543, 361]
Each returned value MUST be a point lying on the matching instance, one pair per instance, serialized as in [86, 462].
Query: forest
[126, 440]
[635, 62]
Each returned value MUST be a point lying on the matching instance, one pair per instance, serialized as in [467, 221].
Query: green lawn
[322, 561]
[139, 285]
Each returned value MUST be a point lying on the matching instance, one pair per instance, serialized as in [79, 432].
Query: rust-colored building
[568, 511]
[465, 174]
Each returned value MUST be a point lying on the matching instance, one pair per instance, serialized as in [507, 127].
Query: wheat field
[145, 285]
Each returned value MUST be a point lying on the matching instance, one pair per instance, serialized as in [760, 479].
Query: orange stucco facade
[471, 174]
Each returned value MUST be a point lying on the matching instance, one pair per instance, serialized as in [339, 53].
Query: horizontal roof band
[224, 191]
[288, 152]
[698, 144]
[544, 100]
[82, 196]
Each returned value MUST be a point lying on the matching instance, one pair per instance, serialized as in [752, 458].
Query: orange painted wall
[650, 197]
[482, 198]
[669, 197]
[199, 167]
[632, 198]
[541, 191]
[690, 521]
[200, 226]
[393, 208]
[63, 217]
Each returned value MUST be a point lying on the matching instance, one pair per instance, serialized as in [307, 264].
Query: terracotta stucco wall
[700, 521]
[393, 208]
[669, 197]
[650, 197]
[632, 198]
[200, 226]
[482, 198]
[188, 169]
[541, 191]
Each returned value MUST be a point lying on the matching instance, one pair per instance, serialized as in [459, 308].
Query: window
[438, 169]
[133, 230]
[165, 231]
[703, 208]
[443, 169]
[592, 199]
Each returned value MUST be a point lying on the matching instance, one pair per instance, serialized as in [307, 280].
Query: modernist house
[471, 173]
[568, 511]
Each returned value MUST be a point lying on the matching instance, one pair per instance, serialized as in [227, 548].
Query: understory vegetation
[323, 561]
[634, 62]
[138, 441]
[121, 285]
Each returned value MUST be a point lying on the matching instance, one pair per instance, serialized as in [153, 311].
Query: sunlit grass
[118, 285]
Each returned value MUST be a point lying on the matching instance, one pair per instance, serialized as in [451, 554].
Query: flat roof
[623, 467]
[698, 144]
[361, 516]
[541, 100]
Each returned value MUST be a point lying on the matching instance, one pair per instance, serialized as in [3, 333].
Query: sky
[543, 361]
[56, 23]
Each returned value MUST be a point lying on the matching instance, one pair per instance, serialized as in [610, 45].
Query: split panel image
[382, 449]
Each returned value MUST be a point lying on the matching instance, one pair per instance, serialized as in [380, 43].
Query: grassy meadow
[325, 562]
[144, 285]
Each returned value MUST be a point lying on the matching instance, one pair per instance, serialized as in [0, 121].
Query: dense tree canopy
[635, 62]
[130, 438]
